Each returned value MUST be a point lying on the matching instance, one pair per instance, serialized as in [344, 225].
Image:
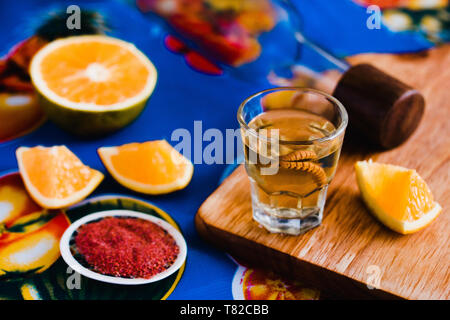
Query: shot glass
[292, 140]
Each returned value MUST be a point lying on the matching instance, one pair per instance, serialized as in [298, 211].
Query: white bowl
[66, 254]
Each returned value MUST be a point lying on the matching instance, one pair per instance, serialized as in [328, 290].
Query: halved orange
[152, 167]
[54, 176]
[92, 84]
[397, 196]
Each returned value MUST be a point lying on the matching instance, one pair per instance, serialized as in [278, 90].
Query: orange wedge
[397, 196]
[54, 177]
[152, 167]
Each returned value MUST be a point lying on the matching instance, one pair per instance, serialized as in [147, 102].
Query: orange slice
[93, 72]
[92, 84]
[55, 177]
[397, 196]
[152, 167]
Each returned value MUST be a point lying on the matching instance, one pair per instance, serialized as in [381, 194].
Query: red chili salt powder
[126, 247]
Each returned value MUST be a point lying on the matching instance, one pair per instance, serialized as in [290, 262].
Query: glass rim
[339, 130]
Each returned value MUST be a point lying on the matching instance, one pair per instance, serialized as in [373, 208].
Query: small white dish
[66, 253]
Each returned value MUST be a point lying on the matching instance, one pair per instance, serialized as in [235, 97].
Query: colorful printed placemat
[37, 275]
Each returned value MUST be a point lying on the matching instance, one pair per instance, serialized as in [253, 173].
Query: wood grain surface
[351, 249]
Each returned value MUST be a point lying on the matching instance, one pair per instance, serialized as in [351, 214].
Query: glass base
[288, 220]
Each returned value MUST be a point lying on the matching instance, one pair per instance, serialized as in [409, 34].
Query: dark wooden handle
[384, 109]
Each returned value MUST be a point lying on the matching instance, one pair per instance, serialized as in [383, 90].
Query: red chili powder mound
[126, 247]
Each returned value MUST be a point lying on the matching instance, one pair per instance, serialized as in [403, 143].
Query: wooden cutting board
[351, 249]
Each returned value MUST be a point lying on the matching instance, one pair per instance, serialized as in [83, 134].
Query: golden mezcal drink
[291, 155]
